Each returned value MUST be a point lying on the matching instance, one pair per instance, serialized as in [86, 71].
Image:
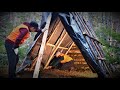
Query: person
[13, 41]
[61, 61]
[43, 23]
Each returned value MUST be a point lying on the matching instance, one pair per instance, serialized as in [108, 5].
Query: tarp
[75, 33]
[72, 28]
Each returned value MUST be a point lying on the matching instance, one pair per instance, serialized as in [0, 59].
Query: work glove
[16, 51]
[15, 48]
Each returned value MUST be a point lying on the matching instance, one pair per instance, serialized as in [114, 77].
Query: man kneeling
[61, 61]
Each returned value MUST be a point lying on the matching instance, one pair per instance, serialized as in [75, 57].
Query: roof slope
[66, 28]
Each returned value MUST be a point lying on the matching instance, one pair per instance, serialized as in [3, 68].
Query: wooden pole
[55, 46]
[41, 51]
[69, 48]
[39, 58]
[55, 51]
[84, 31]
[53, 32]
[33, 64]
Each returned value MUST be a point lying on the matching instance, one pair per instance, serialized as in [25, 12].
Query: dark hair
[34, 24]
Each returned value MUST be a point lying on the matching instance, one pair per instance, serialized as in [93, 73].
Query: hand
[43, 25]
[15, 46]
[16, 51]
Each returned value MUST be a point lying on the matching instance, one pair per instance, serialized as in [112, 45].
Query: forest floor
[56, 73]
[53, 73]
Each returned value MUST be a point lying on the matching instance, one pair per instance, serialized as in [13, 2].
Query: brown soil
[56, 73]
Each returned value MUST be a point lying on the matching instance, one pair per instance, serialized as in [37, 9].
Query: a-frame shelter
[70, 33]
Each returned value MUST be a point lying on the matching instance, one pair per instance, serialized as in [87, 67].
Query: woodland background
[105, 24]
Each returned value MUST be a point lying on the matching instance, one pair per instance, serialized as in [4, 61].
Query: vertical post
[41, 51]
[70, 47]
[55, 50]
[39, 58]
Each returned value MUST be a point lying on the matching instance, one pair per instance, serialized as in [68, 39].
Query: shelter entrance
[59, 40]
[72, 35]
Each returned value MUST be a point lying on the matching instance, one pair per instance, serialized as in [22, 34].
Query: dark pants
[12, 59]
[68, 65]
[55, 62]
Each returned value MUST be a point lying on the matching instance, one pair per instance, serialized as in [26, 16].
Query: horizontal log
[77, 57]
[55, 46]
[99, 58]
[74, 51]
[80, 62]
[84, 33]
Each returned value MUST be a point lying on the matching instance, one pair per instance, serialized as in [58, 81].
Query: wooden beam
[90, 28]
[55, 46]
[50, 45]
[92, 46]
[91, 37]
[41, 51]
[78, 20]
[107, 68]
[63, 48]
[33, 64]
[53, 33]
[76, 57]
[80, 60]
[57, 42]
[75, 48]
[74, 51]
[100, 58]
[69, 48]
[89, 33]
[67, 45]
[39, 59]
[55, 51]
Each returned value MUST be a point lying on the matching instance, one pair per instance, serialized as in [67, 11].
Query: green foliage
[3, 60]
[22, 53]
[3, 55]
[111, 51]
[110, 32]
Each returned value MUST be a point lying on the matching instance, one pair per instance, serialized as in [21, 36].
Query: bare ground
[53, 73]
[56, 73]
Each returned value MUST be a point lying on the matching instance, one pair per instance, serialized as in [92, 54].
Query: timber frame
[63, 33]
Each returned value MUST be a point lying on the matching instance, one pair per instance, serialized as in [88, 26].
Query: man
[13, 41]
[61, 61]
[43, 23]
